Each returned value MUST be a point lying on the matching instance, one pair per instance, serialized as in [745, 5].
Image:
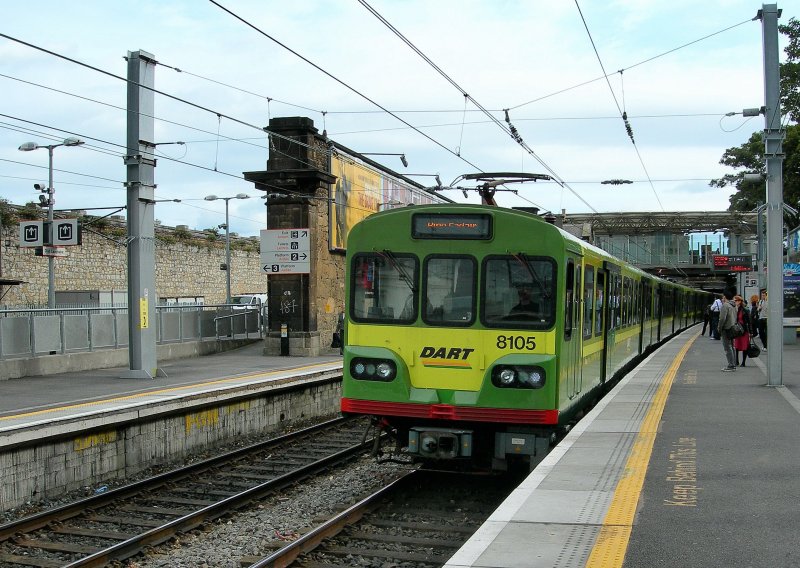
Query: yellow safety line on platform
[612, 542]
[161, 391]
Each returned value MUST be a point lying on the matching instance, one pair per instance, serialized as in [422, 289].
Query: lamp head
[242, 196]
[28, 146]
[211, 198]
[72, 141]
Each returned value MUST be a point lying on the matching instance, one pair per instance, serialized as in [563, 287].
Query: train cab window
[519, 292]
[384, 288]
[449, 284]
[588, 300]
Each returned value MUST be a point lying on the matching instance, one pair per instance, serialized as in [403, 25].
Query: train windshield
[450, 284]
[384, 287]
[519, 291]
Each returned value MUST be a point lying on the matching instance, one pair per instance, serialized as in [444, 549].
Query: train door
[605, 316]
[657, 312]
[644, 301]
[571, 354]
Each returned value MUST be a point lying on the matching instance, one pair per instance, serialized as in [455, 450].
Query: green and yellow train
[476, 333]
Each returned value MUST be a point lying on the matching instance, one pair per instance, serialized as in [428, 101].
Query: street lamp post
[51, 269]
[227, 240]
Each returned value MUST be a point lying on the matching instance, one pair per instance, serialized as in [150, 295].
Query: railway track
[418, 520]
[123, 522]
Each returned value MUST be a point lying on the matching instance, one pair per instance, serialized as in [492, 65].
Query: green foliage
[790, 71]
[30, 212]
[749, 157]
[8, 215]
[182, 234]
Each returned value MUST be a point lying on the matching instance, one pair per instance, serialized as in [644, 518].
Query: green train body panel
[614, 321]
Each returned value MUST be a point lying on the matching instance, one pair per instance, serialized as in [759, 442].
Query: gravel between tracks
[222, 543]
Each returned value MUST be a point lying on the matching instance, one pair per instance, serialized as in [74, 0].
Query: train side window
[568, 299]
[449, 284]
[599, 302]
[588, 300]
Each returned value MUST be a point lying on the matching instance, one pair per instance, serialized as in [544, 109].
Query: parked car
[248, 301]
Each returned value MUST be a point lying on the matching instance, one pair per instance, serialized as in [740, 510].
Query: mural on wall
[360, 191]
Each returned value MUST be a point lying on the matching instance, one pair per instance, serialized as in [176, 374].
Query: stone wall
[59, 458]
[187, 265]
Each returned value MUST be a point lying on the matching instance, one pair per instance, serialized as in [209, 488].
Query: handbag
[736, 330]
[753, 350]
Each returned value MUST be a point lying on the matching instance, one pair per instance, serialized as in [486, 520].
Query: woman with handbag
[741, 343]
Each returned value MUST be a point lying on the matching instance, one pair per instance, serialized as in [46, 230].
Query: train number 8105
[518, 342]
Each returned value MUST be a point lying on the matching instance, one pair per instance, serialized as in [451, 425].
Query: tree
[749, 157]
[790, 71]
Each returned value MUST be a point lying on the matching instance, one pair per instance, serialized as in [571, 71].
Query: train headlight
[507, 377]
[366, 369]
[385, 370]
[518, 377]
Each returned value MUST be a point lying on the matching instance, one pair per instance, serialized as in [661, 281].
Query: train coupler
[440, 443]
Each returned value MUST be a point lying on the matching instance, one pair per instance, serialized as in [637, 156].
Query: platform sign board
[286, 251]
[66, 232]
[791, 294]
[47, 250]
[31, 233]
[733, 262]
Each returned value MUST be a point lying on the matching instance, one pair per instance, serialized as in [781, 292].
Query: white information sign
[31, 233]
[65, 232]
[286, 251]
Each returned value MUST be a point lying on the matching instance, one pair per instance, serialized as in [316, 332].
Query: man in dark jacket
[727, 317]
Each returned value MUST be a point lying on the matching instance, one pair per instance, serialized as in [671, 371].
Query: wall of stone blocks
[52, 468]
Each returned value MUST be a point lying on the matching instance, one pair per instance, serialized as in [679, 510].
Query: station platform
[681, 465]
[51, 399]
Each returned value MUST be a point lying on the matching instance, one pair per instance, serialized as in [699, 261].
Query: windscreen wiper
[523, 259]
[389, 255]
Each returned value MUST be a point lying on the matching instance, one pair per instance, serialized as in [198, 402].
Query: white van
[248, 301]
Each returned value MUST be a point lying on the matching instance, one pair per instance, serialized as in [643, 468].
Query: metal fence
[31, 332]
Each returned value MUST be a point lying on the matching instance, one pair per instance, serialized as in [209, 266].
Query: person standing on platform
[727, 317]
[706, 320]
[715, 311]
[753, 315]
[741, 343]
[762, 318]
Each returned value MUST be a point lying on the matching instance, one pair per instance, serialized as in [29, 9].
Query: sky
[685, 65]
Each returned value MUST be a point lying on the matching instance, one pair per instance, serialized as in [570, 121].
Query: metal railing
[32, 332]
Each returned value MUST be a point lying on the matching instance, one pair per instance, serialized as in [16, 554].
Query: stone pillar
[296, 183]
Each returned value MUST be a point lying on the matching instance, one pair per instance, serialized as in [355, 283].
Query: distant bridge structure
[674, 245]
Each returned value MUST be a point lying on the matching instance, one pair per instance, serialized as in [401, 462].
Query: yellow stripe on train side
[448, 358]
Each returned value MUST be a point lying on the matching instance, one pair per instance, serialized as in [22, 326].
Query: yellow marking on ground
[160, 391]
[612, 542]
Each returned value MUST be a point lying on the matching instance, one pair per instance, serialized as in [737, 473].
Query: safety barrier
[31, 332]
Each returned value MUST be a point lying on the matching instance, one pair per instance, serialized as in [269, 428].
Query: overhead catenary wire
[341, 82]
[509, 130]
[629, 67]
[623, 114]
[168, 158]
